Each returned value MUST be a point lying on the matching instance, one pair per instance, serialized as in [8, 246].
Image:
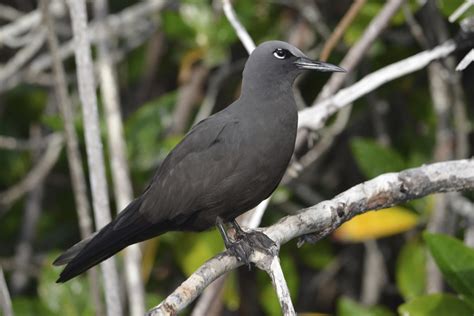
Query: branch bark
[117, 149]
[5, 300]
[323, 218]
[95, 157]
[242, 33]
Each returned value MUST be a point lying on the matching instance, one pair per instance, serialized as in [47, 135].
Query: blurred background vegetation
[185, 62]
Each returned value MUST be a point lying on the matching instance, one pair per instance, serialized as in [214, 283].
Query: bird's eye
[281, 53]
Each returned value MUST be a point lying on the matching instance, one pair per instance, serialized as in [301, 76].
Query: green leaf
[435, 305]
[374, 159]
[410, 270]
[455, 260]
[349, 307]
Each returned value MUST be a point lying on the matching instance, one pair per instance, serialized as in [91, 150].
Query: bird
[224, 166]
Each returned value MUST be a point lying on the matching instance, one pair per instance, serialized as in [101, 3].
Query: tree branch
[323, 218]
[5, 300]
[95, 158]
[39, 171]
[242, 33]
[315, 116]
[117, 149]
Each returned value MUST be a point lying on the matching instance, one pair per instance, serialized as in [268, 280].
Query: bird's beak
[306, 63]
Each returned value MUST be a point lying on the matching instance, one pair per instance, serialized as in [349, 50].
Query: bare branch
[9, 13]
[466, 61]
[242, 33]
[341, 28]
[12, 143]
[279, 284]
[355, 54]
[22, 56]
[315, 116]
[5, 300]
[95, 158]
[460, 10]
[323, 218]
[133, 23]
[39, 171]
[117, 149]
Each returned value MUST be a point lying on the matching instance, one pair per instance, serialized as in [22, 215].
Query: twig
[310, 11]
[128, 23]
[22, 56]
[460, 10]
[117, 150]
[5, 300]
[355, 54]
[242, 33]
[466, 61]
[323, 218]
[12, 143]
[341, 28]
[95, 157]
[315, 116]
[9, 13]
[39, 171]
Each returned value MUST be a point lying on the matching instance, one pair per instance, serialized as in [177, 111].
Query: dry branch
[314, 117]
[39, 171]
[117, 149]
[323, 218]
[95, 159]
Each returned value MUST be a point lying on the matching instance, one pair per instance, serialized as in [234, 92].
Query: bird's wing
[193, 170]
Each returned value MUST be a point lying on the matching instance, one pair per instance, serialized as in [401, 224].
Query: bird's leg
[239, 249]
[223, 231]
[240, 232]
[245, 242]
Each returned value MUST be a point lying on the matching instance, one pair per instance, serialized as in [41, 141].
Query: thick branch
[323, 218]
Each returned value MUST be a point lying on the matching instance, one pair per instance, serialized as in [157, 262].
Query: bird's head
[278, 62]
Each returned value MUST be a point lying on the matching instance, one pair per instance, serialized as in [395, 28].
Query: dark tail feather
[72, 252]
[127, 228]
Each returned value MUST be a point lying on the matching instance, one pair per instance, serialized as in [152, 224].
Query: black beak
[306, 63]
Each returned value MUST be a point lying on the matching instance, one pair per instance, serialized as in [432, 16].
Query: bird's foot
[247, 242]
[243, 243]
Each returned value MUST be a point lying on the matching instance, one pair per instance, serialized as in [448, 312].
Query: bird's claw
[247, 242]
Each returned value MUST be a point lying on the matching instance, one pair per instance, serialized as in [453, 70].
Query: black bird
[225, 165]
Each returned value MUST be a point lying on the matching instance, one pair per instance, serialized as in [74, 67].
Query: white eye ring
[280, 53]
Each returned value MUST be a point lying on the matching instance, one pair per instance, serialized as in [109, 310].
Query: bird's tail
[127, 228]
